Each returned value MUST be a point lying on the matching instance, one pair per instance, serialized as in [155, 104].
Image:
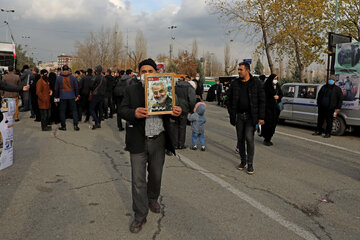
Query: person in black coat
[34, 107]
[54, 116]
[273, 96]
[246, 107]
[329, 103]
[147, 137]
[84, 88]
[98, 90]
[110, 82]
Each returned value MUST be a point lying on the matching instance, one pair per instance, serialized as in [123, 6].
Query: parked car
[300, 104]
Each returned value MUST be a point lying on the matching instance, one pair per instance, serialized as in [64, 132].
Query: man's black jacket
[256, 97]
[134, 97]
[335, 99]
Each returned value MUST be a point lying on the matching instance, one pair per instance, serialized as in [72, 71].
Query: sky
[55, 26]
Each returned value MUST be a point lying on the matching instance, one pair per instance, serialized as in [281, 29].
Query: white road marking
[318, 142]
[265, 210]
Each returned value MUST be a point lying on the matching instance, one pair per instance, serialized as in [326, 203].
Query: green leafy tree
[22, 59]
[348, 17]
[259, 68]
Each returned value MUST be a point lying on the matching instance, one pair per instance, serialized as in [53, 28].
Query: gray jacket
[186, 96]
[198, 119]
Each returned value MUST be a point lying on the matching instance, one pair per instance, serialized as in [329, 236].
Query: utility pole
[171, 28]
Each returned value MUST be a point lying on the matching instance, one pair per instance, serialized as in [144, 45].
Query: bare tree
[230, 68]
[103, 47]
[140, 51]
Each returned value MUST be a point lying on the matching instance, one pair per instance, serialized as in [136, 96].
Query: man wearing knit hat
[67, 92]
[147, 137]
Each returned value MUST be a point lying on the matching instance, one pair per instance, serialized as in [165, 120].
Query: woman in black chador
[273, 96]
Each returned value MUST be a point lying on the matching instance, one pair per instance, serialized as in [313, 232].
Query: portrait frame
[155, 85]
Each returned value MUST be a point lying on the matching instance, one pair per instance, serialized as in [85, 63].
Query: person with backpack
[119, 91]
[98, 90]
[67, 93]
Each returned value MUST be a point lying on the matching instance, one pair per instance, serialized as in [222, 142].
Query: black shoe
[182, 147]
[154, 207]
[250, 169]
[62, 128]
[136, 226]
[194, 147]
[76, 128]
[203, 148]
[316, 133]
[46, 129]
[327, 135]
[168, 152]
[95, 126]
[268, 143]
[241, 166]
[121, 129]
[16, 120]
[32, 116]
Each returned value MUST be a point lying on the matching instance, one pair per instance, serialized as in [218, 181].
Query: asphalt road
[76, 185]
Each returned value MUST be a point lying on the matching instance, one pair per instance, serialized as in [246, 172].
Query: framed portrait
[159, 93]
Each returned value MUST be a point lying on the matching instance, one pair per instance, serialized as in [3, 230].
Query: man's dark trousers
[118, 117]
[245, 134]
[45, 116]
[325, 115]
[64, 104]
[142, 192]
[96, 106]
[84, 107]
[179, 131]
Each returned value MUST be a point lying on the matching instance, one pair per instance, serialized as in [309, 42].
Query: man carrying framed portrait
[147, 137]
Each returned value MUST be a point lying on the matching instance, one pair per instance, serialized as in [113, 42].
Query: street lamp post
[7, 19]
[171, 28]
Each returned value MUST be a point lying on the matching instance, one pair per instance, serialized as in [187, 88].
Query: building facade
[64, 60]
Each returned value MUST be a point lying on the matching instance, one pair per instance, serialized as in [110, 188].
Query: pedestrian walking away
[329, 103]
[98, 90]
[124, 81]
[273, 96]
[246, 107]
[43, 93]
[186, 99]
[147, 137]
[67, 93]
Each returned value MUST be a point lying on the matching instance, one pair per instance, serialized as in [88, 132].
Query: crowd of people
[53, 96]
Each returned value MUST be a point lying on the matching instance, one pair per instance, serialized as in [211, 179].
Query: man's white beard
[161, 100]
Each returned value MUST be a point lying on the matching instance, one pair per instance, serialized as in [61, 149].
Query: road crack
[112, 161]
[93, 184]
[162, 215]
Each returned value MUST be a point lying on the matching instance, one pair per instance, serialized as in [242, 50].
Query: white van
[300, 104]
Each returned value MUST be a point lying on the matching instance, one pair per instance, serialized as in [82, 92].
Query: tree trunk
[267, 48]
[298, 61]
